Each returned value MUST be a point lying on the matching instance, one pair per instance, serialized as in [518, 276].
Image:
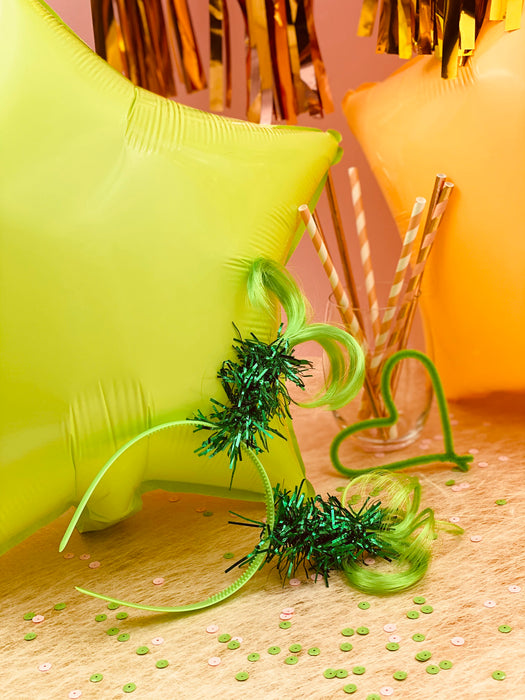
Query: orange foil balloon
[414, 125]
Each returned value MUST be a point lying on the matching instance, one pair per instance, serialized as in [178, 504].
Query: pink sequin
[483, 464]
[514, 589]
[69, 555]
[369, 561]
[285, 616]
[85, 557]
[214, 661]
[394, 638]
[386, 690]
[502, 458]
[157, 640]
[476, 538]
[390, 627]
[158, 581]
[454, 519]
[457, 641]
[74, 694]
[212, 629]
[294, 582]
[490, 603]
[38, 618]
[474, 451]
[237, 639]
[44, 667]
[288, 611]
[94, 564]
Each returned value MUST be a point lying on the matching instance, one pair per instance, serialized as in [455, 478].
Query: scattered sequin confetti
[457, 641]
[158, 581]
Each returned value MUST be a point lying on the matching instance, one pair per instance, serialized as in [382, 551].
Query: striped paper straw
[340, 295]
[397, 285]
[364, 247]
[406, 314]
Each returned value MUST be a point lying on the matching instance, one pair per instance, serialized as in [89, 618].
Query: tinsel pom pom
[323, 534]
[255, 385]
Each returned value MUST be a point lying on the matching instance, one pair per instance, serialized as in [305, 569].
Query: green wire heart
[449, 455]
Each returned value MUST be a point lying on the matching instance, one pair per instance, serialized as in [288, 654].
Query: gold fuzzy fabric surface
[174, 551]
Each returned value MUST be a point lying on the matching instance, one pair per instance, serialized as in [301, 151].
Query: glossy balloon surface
[128, 225]
[414, 125]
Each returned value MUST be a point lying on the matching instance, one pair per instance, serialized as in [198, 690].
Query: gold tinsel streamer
[146, 40]
[150, 40]
[446, 28]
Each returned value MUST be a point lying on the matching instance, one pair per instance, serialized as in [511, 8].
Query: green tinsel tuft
[323, 534]
[256, 390]
[319, 534]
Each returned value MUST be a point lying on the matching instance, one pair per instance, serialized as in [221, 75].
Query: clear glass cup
[411, 390]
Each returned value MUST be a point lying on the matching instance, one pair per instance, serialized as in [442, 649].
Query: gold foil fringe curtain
[151, 40]
[148, 40]
[446, 28]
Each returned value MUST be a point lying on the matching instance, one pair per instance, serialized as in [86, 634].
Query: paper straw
[406, 314]
[364, 248]
[394, 296]
[340, 295]
[342, 247]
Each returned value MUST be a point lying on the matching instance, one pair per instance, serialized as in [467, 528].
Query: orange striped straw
[394, 296]
[364, 247]
[340, 295]
[406, 313]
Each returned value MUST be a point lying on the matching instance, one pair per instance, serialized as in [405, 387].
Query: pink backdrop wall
[350, 61]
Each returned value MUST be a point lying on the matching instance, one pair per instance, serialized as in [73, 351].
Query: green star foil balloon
[128, 226]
